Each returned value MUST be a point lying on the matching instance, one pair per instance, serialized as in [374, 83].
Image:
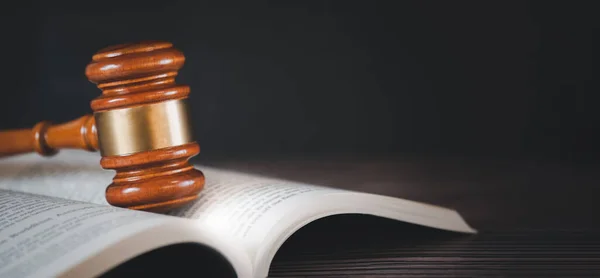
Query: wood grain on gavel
[139, 125]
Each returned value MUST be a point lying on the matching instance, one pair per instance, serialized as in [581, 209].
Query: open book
[55, 221]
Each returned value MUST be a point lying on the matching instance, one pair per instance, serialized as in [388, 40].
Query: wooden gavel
[139, 124]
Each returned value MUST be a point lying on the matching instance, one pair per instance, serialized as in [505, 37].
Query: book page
[71, 174]
[246, 206]
[264, 211]
[236, 203]
[43, 236]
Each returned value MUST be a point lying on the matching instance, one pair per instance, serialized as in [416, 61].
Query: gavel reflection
[139, 125]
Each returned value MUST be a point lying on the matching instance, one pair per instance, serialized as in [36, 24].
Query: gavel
[140, 125]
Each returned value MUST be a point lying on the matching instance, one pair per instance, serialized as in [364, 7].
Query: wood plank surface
[535, 219]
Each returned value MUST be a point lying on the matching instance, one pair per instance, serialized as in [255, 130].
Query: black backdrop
[468, 78]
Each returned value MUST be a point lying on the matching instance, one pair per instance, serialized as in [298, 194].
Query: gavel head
[143, 128]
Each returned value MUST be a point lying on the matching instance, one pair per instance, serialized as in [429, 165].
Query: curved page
[44, 236]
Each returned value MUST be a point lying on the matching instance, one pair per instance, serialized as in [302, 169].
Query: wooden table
[535, 219]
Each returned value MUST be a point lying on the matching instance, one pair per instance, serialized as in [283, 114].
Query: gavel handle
[47, 139]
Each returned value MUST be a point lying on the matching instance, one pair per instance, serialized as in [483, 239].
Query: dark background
[487, 80]
[495, 79]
